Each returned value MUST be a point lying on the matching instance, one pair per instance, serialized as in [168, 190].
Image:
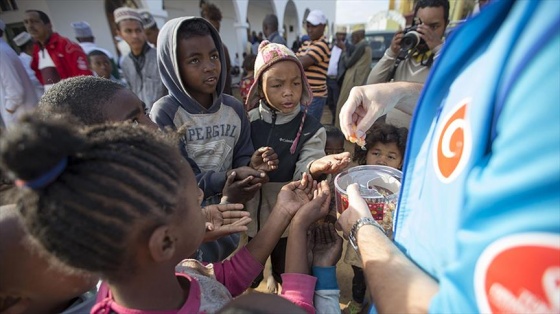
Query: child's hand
[264, 159]
[329, 164]
[314, 210]
[223, 220]
[295, 194]
[245, 172]
[239, 191]
[325, 245]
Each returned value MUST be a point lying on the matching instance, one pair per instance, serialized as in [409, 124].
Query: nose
[209, 66]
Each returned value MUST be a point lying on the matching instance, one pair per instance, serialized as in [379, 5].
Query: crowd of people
[126, 183]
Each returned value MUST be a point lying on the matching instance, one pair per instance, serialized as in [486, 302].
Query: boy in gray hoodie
[216, 129]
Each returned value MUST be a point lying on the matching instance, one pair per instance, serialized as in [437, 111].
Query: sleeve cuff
[299, 286]
[326, 278]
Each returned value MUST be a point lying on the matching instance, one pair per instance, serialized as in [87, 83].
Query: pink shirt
[235, 274]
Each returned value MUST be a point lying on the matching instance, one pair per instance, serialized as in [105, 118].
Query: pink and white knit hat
[269, 54]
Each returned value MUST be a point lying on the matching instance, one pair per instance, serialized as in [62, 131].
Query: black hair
[193, 28]
[120, 183]
[334, 132]
[249, 62]
[94, 53]
[381, 132]
[42, 15]
[81, 96]
[211, 12]
[420, 4]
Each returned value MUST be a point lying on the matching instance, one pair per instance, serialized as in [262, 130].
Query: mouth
[211, 80]
[288, 105]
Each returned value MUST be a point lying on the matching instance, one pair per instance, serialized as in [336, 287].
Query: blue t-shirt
[480, 203]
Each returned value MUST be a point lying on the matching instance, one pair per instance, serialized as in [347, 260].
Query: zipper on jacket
[274, 115]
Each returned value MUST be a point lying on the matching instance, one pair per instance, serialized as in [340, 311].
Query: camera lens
[410, 40]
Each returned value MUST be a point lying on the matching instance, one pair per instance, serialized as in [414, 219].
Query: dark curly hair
[120, 181]
[384, 133]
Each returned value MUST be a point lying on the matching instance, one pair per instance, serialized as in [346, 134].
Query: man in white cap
[140, 65]
[59, 58]
[150, 27]
[17, 93]
[314, 55]
[357, 63]
[25, 43]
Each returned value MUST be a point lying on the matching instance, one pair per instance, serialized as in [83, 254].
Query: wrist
[361, 223]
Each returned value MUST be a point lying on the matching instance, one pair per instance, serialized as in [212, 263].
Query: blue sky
[358, 11]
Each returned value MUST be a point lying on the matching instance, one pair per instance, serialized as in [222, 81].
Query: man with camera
[413, 51]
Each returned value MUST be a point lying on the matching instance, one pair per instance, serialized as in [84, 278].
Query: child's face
[199, 67]
[282, 86]
[385, 155]
[101, 65]
[334, 146]
[190, 218]
[126, 106]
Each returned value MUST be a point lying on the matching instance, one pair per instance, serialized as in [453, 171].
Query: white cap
[316, 17]
[2, 25]
[82, 29]
[126, 13]
[22, 38]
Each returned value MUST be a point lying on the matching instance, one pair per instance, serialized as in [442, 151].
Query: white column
[280, 8]
[241, 31]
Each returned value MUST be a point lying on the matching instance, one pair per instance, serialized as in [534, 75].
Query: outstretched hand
[264, 159]
[329, 164]
[315, 209]
[239, 191]
[295, 194]
[324, 245]
[223, 220]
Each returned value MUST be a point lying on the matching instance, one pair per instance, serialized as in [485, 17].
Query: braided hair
[120, 183]
[384, 133]
[81, 96]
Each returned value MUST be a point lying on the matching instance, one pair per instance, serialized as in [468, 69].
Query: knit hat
[341, 29]
[22, 39]
[126, 13]
[147, 18]
[268, 55]
[82, 29]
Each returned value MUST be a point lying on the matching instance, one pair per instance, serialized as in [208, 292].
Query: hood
[168, 65]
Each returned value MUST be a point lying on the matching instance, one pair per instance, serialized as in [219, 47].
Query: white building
[238, 16]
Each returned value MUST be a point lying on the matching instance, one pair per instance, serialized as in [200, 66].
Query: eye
[275, 86]
[215, 57]
[392, 157]
[193, 61]
[297, 83]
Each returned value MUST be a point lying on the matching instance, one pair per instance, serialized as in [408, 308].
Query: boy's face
[282, 86]
[334, 146]
[101, 65]
[384, 155]
[126, 106]
[199, 67]
[133, 33]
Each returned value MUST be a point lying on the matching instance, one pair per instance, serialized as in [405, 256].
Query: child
[280, 87]
[100, 64]
[385, 145]
[31, 283]
[216, 129]
[334, 145]
[248, 79]
[135, 228]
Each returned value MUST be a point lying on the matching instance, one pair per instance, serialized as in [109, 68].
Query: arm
[11, 81]
[367, 103]
[382, 68]
[76, 60]
[244, 148]
[316, 52]
[396, 284]
[312, 150]
[350, 58]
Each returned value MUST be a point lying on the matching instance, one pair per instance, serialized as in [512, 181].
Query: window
[8, 5]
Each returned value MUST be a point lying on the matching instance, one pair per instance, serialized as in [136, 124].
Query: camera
[411, 38]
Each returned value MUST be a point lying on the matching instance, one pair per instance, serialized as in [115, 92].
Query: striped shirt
[316, 74]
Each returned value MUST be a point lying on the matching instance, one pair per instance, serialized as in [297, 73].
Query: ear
[162, 244]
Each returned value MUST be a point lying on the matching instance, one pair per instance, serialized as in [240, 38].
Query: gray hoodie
[216, 139]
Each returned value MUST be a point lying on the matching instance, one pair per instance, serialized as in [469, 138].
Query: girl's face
[189, 214]
[384, 155]
[282, 86]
